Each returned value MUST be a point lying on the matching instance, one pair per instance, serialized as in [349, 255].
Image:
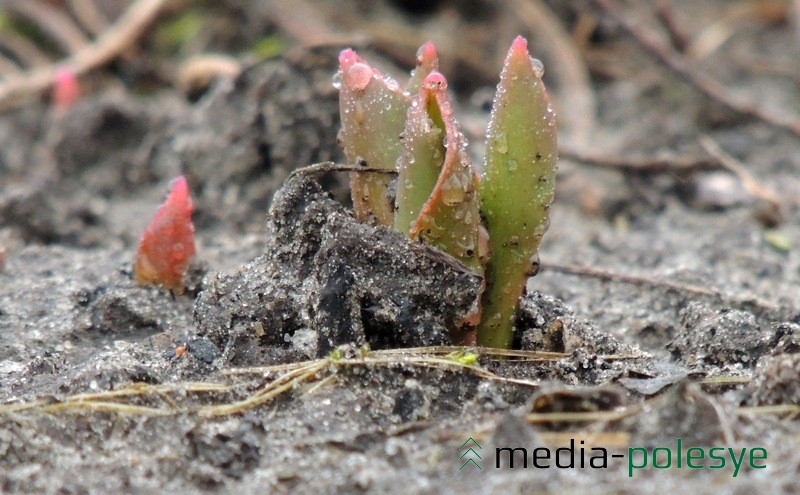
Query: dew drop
[337, 80]
[358, 76]
[435, 81]
[453, 191]
[391, 84]
[538, 67]
[501, 143]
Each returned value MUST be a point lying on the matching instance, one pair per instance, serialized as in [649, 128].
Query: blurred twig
[53, 21]
[22, 49]
[749, 182]
[305, 23]
[716, 34]
[673, 163]
[666, 16]
[716, 159]
[119, 36]
[89, 16]
[574, 86]
[752, 303]
[680, 66]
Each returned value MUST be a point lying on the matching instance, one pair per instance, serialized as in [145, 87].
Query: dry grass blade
[580, 417]
[17, 90]
[273, 390]
[292, 374]
[138, 389]
[778, 409]
[717, 159]
[324, 167]
[105, 399]
[24, 406]
[438, 363]
[102, 406]
[716, 34]
[442, 350]
[265, 370]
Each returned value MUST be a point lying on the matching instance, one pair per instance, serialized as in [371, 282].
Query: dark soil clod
[348, 282]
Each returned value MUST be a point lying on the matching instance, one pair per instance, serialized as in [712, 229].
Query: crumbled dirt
[109, 387]
[343, 281]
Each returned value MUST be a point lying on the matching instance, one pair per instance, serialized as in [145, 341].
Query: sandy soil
[666, 305]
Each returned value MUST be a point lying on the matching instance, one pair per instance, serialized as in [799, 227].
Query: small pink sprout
[518, 53]
[167, 244]
[347, 58]
[356, 74]
[65, 89]
[520, 44]
[427, 56]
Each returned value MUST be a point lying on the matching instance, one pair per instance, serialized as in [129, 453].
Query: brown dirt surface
[309, 353]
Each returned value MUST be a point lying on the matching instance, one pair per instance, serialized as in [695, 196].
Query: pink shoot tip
[519, 44]
[427, 54]
[347, 58]
[167, 244]
[65, 89]
[519, 56]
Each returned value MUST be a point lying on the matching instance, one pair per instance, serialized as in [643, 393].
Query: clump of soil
[325, 280]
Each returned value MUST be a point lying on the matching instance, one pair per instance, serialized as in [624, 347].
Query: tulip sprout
[492, 223]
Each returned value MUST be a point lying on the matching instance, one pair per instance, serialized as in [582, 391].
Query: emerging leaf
[427, 62]
[167, 244]
[421, 160]
[518, 185]
[450, 217]
[373, 113]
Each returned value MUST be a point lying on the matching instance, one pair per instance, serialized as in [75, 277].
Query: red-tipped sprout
[437, 188]
[449, 217]
[517, 188]
[167, 244]
[427, 62]
[373, 111]
[66, 90]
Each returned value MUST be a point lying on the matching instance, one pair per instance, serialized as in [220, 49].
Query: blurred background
[668, 110]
